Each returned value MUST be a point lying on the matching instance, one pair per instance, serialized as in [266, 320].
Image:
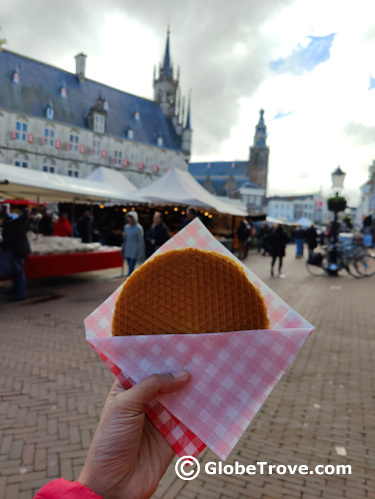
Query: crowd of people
[15, 246]
[138, 244]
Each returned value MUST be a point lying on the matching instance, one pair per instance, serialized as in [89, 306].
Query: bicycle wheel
[317, 269]
[353, 269]
[365, 264]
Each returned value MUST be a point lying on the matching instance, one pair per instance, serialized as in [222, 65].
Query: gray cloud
[204, 39]
[360, 134]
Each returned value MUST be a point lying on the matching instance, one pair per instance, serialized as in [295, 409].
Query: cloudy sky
[309, 63]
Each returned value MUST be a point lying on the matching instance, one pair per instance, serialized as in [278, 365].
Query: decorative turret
[165, 87]
[186, 135]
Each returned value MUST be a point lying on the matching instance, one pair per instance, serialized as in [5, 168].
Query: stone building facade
[59, 122]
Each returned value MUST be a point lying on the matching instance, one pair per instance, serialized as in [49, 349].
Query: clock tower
[165, 86]
[257, 170]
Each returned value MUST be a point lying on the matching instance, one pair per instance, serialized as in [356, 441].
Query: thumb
[136, 398]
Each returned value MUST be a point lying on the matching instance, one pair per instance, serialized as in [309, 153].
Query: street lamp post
[336, 204]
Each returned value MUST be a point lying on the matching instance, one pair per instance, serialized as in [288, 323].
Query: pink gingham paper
[232, 373]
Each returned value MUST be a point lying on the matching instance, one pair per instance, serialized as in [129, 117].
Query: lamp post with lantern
[335, 204]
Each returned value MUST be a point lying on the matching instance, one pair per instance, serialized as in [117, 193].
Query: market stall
[180, 187]
[47, 259]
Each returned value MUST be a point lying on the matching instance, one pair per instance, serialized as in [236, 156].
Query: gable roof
[113, 177]
[237, 169]
[40, 83]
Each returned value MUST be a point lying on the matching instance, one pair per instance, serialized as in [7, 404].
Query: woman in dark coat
[15, 240]
[157, 235]
[278, 240]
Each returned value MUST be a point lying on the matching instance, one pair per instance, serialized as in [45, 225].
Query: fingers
[135, 399]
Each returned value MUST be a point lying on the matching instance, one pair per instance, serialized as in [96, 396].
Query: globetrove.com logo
[188, 468]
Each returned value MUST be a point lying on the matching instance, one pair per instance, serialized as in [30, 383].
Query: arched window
[21, 160]
[49, 165]
[73, 170]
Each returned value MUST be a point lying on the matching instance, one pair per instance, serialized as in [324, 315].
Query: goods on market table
[46, 245]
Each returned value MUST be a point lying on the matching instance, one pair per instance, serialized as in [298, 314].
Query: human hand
[128, 456]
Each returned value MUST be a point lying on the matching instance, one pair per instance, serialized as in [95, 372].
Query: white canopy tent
[113, 177]
[180, 187]
[16, 182]
[304, 222]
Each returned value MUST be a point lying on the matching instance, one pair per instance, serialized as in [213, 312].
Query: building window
[74, 142]
[118, 158]
[49, 137]
[23, 164]
[49, 169]
[21, 130]
[50, 113]
[130, 134]
[96, 145]
[73, 171]
[99, 123]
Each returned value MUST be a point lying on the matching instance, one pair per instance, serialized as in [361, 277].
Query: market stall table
[54, 265]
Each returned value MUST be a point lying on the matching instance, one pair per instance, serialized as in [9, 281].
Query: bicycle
[356, 260]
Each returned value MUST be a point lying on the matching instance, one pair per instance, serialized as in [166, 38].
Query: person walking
[299, 238]
[278, 240]
[243, 233]
[15, 240]
[133, 243]
[157, 235]
[311, 238]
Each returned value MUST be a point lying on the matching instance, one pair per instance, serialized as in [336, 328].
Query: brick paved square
[53, 385]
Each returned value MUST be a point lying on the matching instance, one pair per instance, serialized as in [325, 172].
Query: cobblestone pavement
[53, 385]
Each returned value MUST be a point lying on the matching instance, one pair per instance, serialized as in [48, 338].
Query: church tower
[257, 170]
[165, 86]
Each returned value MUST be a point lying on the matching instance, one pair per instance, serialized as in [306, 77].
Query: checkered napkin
[232, 373]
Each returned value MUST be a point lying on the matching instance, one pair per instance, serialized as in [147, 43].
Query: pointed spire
[261, 119]
[187, 126]
[260, 131]
[167, 68]
[183, 110]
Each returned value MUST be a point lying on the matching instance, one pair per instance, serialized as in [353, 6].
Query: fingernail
[181, 375]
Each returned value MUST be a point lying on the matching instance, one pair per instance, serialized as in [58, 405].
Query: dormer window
[50, 112]
[16, 76]
[99, 123]
[105, 105]
[137, 116]
[63, 90]
[130, 133]
[159, 140]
